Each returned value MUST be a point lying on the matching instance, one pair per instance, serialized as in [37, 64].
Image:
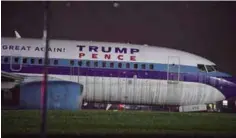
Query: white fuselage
[119, 88]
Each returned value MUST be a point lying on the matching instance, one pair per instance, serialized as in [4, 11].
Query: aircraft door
[173, 68]
[173, 75]
[130, 92]
[202, 74]
[16, 63]
[202, 79]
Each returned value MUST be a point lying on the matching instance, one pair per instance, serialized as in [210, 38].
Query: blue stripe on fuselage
[187, 73]
[157, 67]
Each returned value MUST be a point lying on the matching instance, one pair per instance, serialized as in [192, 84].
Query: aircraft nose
[228, 86]
[230, 79]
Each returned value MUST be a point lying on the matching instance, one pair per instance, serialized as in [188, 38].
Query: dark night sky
[207, 29]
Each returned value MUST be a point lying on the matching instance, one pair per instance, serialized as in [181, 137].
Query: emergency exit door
[16, 63]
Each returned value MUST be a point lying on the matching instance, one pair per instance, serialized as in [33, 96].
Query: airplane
[122, 73]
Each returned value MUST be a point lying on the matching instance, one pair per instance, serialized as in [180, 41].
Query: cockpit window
[210, 68]
[215, 68]
[201, 67]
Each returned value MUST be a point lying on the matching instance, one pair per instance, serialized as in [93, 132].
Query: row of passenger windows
[112, 64]
[80, 63]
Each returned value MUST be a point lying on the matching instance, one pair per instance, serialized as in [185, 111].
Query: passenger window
[215, 68]
[72, 62]
[201, 67]
[112, 65]
[135, 66]
[88, 63]
[5, 59]
[40, 61]
[95, 64]
[104, 64]
[127, 65]
[80, 63]
[24, 60]
[32, 61]
[16, 60]
[143, 66]
[151, 66]
[55, 62]
[119, 65]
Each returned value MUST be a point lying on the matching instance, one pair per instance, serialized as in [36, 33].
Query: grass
[18, 121]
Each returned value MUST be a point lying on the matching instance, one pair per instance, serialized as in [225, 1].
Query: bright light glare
[115, 4]
[225, 102]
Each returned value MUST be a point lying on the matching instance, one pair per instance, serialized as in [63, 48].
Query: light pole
[44, 84]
